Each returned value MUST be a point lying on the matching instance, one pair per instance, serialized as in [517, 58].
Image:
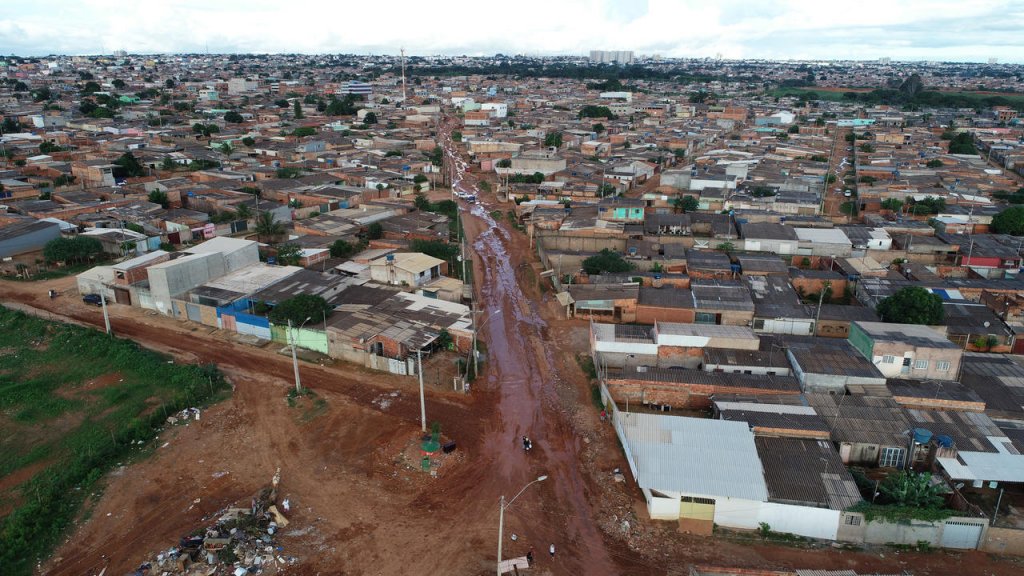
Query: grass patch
[81, 400]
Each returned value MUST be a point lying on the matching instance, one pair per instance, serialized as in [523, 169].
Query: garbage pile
[241, 541]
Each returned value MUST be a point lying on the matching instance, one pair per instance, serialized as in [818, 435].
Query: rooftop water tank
[922, 436]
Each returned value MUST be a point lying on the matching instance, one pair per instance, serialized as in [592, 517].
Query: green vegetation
[343, 249]
[105, 395]
[535, 178]
[441, 250]
[128, 166]
[289, 172]
[685, 204]
[299, 308]
[912, 305]
[934, 163]
[927, 205]
[205, 129]
[553, 140]
[234, 117]
[962, 143]
[74, 250]
[892, 204]
[591, 111]
[606, 261]
[926, 98]
[1009, 221]
[304, 131]
[456, 136]
[288, 254]
[297, 110]
[159, 197]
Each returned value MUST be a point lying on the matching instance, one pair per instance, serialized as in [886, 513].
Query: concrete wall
[178, 276]
[801, 520]
[1003, 541]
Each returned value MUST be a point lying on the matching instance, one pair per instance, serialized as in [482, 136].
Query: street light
[295, 360]
[501, 515]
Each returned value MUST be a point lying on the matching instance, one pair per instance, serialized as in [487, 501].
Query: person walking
[529, 556]
[551, 550]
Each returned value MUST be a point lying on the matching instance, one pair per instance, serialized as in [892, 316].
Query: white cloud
[911, 29]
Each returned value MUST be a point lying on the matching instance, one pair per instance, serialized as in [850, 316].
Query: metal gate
[193, 313]
[963, 535]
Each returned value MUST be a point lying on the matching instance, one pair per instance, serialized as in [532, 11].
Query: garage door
[961, 535]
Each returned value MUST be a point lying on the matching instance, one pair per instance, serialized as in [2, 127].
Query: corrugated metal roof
[711, 458]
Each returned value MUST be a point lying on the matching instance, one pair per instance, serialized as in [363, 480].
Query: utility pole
[821, 296]
[476, 328]
[106, 316]
[295, 360]
[423, 405]
[403, 76]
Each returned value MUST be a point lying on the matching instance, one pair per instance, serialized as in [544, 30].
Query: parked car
[93, 299]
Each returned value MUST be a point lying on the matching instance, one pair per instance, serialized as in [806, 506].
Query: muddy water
[523, 373]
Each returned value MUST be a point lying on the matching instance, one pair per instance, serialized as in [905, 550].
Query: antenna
[402, 51]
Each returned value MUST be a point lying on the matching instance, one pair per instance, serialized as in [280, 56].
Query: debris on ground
[240, 541]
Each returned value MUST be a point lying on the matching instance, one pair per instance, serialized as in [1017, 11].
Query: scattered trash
[240, 541]
[220, 474]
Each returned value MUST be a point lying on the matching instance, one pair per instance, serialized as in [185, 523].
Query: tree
[300, 308]
[598, 128]
[794, 129]
[248, 141]
[892, 204]
[912, 305]
[375, 231]
[128, 166]
[304, 131]
[962, 143]
[419, 178]
[91, 88]
[268, 226]
[912, 86]
[343, 249]
[934, 163]
[370, 118]
[606, 261]
[679, 152]
[281, 103]
[68, 250]
[554, 140]
[591, 111]
[726, 247]
[225, 149]
[505, 163]
[685, 204]
[421, 202]
[911, 490]
[829, 179]
[288, 254]
[48, 147]
[986, 342]
[1009, 221]
[118, 83]
[169, 83]
[243, 212]
[456, 136]
[288, 172]
[233, 117]
[159, 197]
[41, 94]
[168, 163]
[867, 148]
[297, 107]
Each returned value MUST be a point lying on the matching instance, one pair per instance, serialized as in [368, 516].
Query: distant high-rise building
[993, 60]
[120, 53]
[884, 60]
[610, 56]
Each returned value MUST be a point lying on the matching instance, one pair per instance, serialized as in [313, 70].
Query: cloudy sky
[959, 30]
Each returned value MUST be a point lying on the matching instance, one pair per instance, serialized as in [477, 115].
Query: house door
[122, 296]
[963, 535]
[696, 508]
[905, 369]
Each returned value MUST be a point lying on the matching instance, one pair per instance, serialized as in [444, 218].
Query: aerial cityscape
[593, 287]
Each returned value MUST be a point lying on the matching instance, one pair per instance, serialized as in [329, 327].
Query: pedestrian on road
[529, 556]
[552, 550]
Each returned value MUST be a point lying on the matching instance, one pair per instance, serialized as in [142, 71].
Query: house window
[697, 500]
[758, 324]
[704, 318]
[852, 520]
[942, 366]
[920, 365]
[888, 359]
[891, 458]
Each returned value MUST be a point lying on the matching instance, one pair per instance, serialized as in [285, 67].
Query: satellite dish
[987, 324]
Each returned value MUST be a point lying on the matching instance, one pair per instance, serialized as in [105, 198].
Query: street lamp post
[501, 516]
[295, 360]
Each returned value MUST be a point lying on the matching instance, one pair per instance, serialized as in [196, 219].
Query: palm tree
[244, 212]
[267, 225]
